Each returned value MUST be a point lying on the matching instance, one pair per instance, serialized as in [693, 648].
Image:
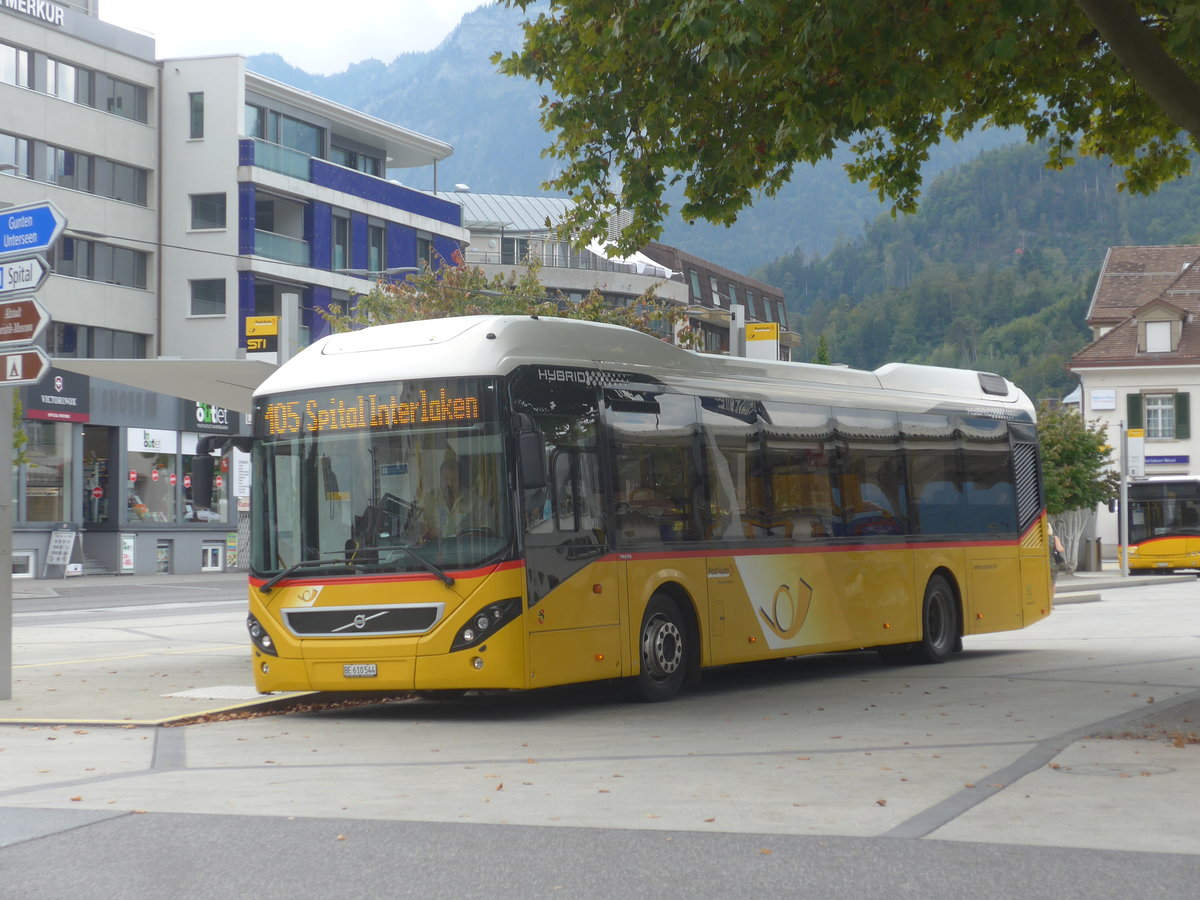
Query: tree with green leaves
[821, 357]
[728, 96]
[446, 291]
[1079, 473]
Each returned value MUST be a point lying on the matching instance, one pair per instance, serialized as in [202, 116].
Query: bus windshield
[386, 478]
[1164, 509]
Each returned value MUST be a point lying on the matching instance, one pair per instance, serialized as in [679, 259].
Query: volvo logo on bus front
[360, 621]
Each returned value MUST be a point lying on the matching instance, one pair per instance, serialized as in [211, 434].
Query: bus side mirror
[531, 454]
[202, 481]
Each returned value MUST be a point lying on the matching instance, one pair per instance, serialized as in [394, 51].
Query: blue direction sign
[30, 229]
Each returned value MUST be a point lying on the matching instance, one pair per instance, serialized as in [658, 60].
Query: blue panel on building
[381, 191]
[246, 218]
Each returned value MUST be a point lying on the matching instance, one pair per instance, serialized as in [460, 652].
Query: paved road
[828, 777]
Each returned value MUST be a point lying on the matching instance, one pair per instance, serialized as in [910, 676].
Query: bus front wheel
[939, 623]
[663, 651]
[939, 628]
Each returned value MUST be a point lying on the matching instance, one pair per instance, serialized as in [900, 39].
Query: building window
[695, 280]
[60, 80]
[514, 251]
[89, 342]
[1158, 337]
[208, 211]
[208, 297]
[733, 297]
[716, 292]
[196, 115]
[1160, 415]
[15, 151]
[376, 252]
[14, 65]
[424, 249]
[95, 261]
[341, 241]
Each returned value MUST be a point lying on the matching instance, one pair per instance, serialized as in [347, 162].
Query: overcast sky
[320, 38]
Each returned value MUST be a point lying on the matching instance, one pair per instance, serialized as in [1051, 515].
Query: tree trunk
[1146, 60]
[1068, 527]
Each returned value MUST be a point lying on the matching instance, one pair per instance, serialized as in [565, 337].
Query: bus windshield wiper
[441, 576]
[425, 564]
[295, 567]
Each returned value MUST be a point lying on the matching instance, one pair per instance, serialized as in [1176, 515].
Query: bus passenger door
[574, 591]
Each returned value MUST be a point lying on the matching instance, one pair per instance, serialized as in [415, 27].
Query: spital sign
[21, 321]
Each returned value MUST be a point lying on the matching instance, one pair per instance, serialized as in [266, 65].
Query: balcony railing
[321, 172]
[574, 260]
[281, 247]
[283, 160]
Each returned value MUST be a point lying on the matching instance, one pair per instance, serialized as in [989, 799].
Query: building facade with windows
[506, 230]
[1142, 368]
[199, 198]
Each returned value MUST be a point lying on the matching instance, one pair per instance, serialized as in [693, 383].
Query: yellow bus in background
[1164, 524]
[624, 509]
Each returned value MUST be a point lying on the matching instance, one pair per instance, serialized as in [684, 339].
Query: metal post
[6, 531]
[1123, 505]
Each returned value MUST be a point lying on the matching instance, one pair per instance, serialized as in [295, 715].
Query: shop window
[196, 507]
[151, 475]
[47, 471]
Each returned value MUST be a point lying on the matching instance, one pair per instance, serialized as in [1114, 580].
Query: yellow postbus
[1164, 524]
[518, 502]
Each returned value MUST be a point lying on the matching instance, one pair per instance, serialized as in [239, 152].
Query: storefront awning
[221, 382]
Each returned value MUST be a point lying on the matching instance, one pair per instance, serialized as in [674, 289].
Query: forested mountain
[455, 94]
[994, 271]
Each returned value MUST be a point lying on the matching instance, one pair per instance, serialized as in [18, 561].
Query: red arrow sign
[23, 366]
[21, 321]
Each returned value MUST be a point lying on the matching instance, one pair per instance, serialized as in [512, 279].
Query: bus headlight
[486, 622]
[259, 636]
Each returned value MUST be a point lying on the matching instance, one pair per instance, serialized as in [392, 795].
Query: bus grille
[347, 621]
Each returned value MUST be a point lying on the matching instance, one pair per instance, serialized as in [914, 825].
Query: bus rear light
[485, 623]
[259, 636]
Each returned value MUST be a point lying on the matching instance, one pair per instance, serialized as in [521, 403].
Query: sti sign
[30, 229]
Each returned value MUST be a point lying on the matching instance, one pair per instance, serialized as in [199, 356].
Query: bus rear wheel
[663, 650]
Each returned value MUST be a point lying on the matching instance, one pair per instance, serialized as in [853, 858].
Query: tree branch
[1147, 62]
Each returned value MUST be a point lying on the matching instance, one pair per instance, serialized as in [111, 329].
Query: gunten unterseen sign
[30, 229]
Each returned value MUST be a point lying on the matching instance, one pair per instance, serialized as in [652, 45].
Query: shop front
[114, 464]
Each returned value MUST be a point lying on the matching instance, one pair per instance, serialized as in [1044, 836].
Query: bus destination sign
[367, 412]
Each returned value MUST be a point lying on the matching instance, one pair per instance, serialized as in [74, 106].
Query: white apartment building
[200, 197]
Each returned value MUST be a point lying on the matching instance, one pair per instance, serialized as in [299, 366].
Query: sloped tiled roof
[1132, 276]
[1134, 280]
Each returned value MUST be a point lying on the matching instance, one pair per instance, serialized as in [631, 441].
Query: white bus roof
[496, 345]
